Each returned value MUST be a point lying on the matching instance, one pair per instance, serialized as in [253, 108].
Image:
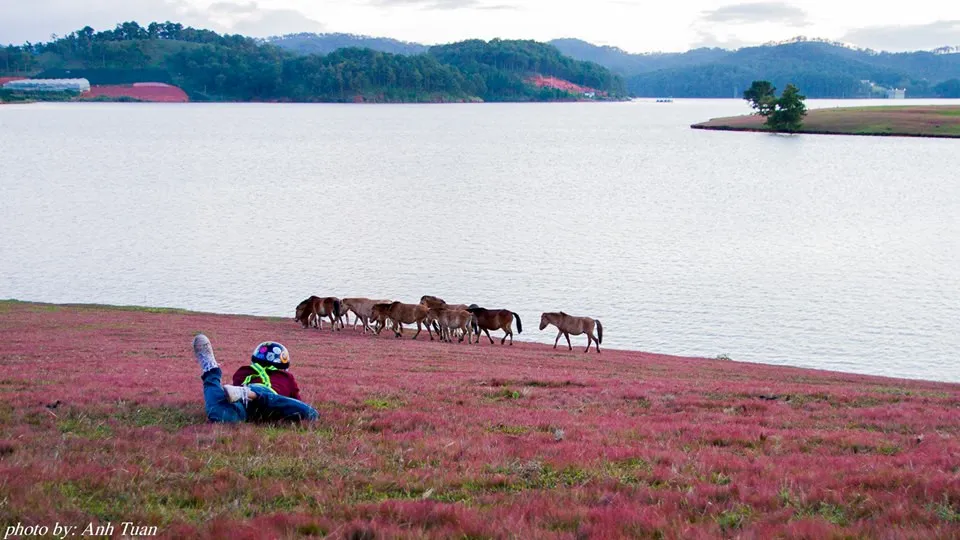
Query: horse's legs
[595, 341]
[589, 342]
[487, 332]
[559, 333]
[419, 328]
[569, 346]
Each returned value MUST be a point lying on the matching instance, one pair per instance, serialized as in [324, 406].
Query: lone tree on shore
[784, 113]
[762, 97]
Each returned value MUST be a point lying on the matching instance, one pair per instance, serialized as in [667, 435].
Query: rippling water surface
[831, 252]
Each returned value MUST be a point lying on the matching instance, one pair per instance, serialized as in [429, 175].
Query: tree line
[210, 66]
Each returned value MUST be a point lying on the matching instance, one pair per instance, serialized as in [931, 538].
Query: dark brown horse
[495, 319]
[568, 324]
[304, 313]
[312, 309]
[379, 314]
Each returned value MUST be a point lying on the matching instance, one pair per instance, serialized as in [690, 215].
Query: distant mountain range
[821, 68]
[305, 43]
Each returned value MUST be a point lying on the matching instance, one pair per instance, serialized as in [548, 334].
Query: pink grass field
[101, 419]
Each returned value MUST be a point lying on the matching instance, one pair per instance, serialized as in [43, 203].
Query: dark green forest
[210, 66]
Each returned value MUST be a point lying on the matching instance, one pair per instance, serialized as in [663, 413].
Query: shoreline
[926, 121]
[132, 308]
[408, 332]
[821, 132]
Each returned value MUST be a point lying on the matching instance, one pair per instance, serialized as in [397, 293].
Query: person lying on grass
[264, 391]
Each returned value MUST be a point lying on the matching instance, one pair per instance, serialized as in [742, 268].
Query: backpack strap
[262, 374]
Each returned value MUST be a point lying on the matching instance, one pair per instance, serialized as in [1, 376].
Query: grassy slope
[429, 439]
[928, 121]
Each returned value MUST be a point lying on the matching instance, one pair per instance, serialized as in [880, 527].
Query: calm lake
[831, 252]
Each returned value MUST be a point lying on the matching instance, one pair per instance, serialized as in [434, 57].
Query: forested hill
[821, 69]
[306, 43]
[210, 66]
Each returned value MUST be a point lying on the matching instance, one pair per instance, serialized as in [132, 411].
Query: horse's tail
[599, 331]
[519, 325]
[336, 308]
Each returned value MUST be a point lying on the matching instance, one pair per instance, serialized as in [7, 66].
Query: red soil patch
[552, 82]
[101, 419]
[5, 80]
[156, 92]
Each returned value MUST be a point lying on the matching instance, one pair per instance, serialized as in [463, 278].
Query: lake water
[831, 252]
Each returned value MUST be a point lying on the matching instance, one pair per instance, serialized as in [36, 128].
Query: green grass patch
[946, 511]
[735, 518]
[84, 426]
[505, 394]
[509, 430]
[166, 417]
[383, 403]
[628, 472]
[720, 479]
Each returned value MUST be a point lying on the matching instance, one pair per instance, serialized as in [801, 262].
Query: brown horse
[304, 313]
[446, 320]
[458, 321]
[362, 308]
[432, 301]
[379, 314]
[310, 311]
[495, 319]
[568, 324]
[401, 314]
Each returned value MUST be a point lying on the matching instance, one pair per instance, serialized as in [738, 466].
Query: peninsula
[902, 120]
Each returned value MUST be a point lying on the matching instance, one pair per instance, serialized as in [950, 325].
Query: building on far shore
[48, 85]
[896, 93]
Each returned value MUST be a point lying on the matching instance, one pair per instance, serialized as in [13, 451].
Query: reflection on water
[831, 252]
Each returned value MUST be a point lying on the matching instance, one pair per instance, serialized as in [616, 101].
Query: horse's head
[544, 321]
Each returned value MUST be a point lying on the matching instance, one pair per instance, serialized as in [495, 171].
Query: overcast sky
[633, 25]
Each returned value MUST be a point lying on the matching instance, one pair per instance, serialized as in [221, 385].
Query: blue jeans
[268, 407]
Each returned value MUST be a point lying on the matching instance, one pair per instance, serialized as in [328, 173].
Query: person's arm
[295, 392]
[238, 376]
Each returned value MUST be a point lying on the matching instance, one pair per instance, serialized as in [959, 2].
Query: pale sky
[633, 25]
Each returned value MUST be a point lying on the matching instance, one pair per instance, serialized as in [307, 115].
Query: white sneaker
[203, 352]
[236, 393]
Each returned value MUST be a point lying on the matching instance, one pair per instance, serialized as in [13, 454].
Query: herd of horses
[449, 321]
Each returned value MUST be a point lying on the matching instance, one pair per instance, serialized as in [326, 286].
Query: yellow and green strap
[262, 373]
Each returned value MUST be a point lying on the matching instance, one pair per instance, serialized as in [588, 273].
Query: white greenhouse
[49, 85]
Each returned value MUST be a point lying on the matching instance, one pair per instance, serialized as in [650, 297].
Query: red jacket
[282, 382]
